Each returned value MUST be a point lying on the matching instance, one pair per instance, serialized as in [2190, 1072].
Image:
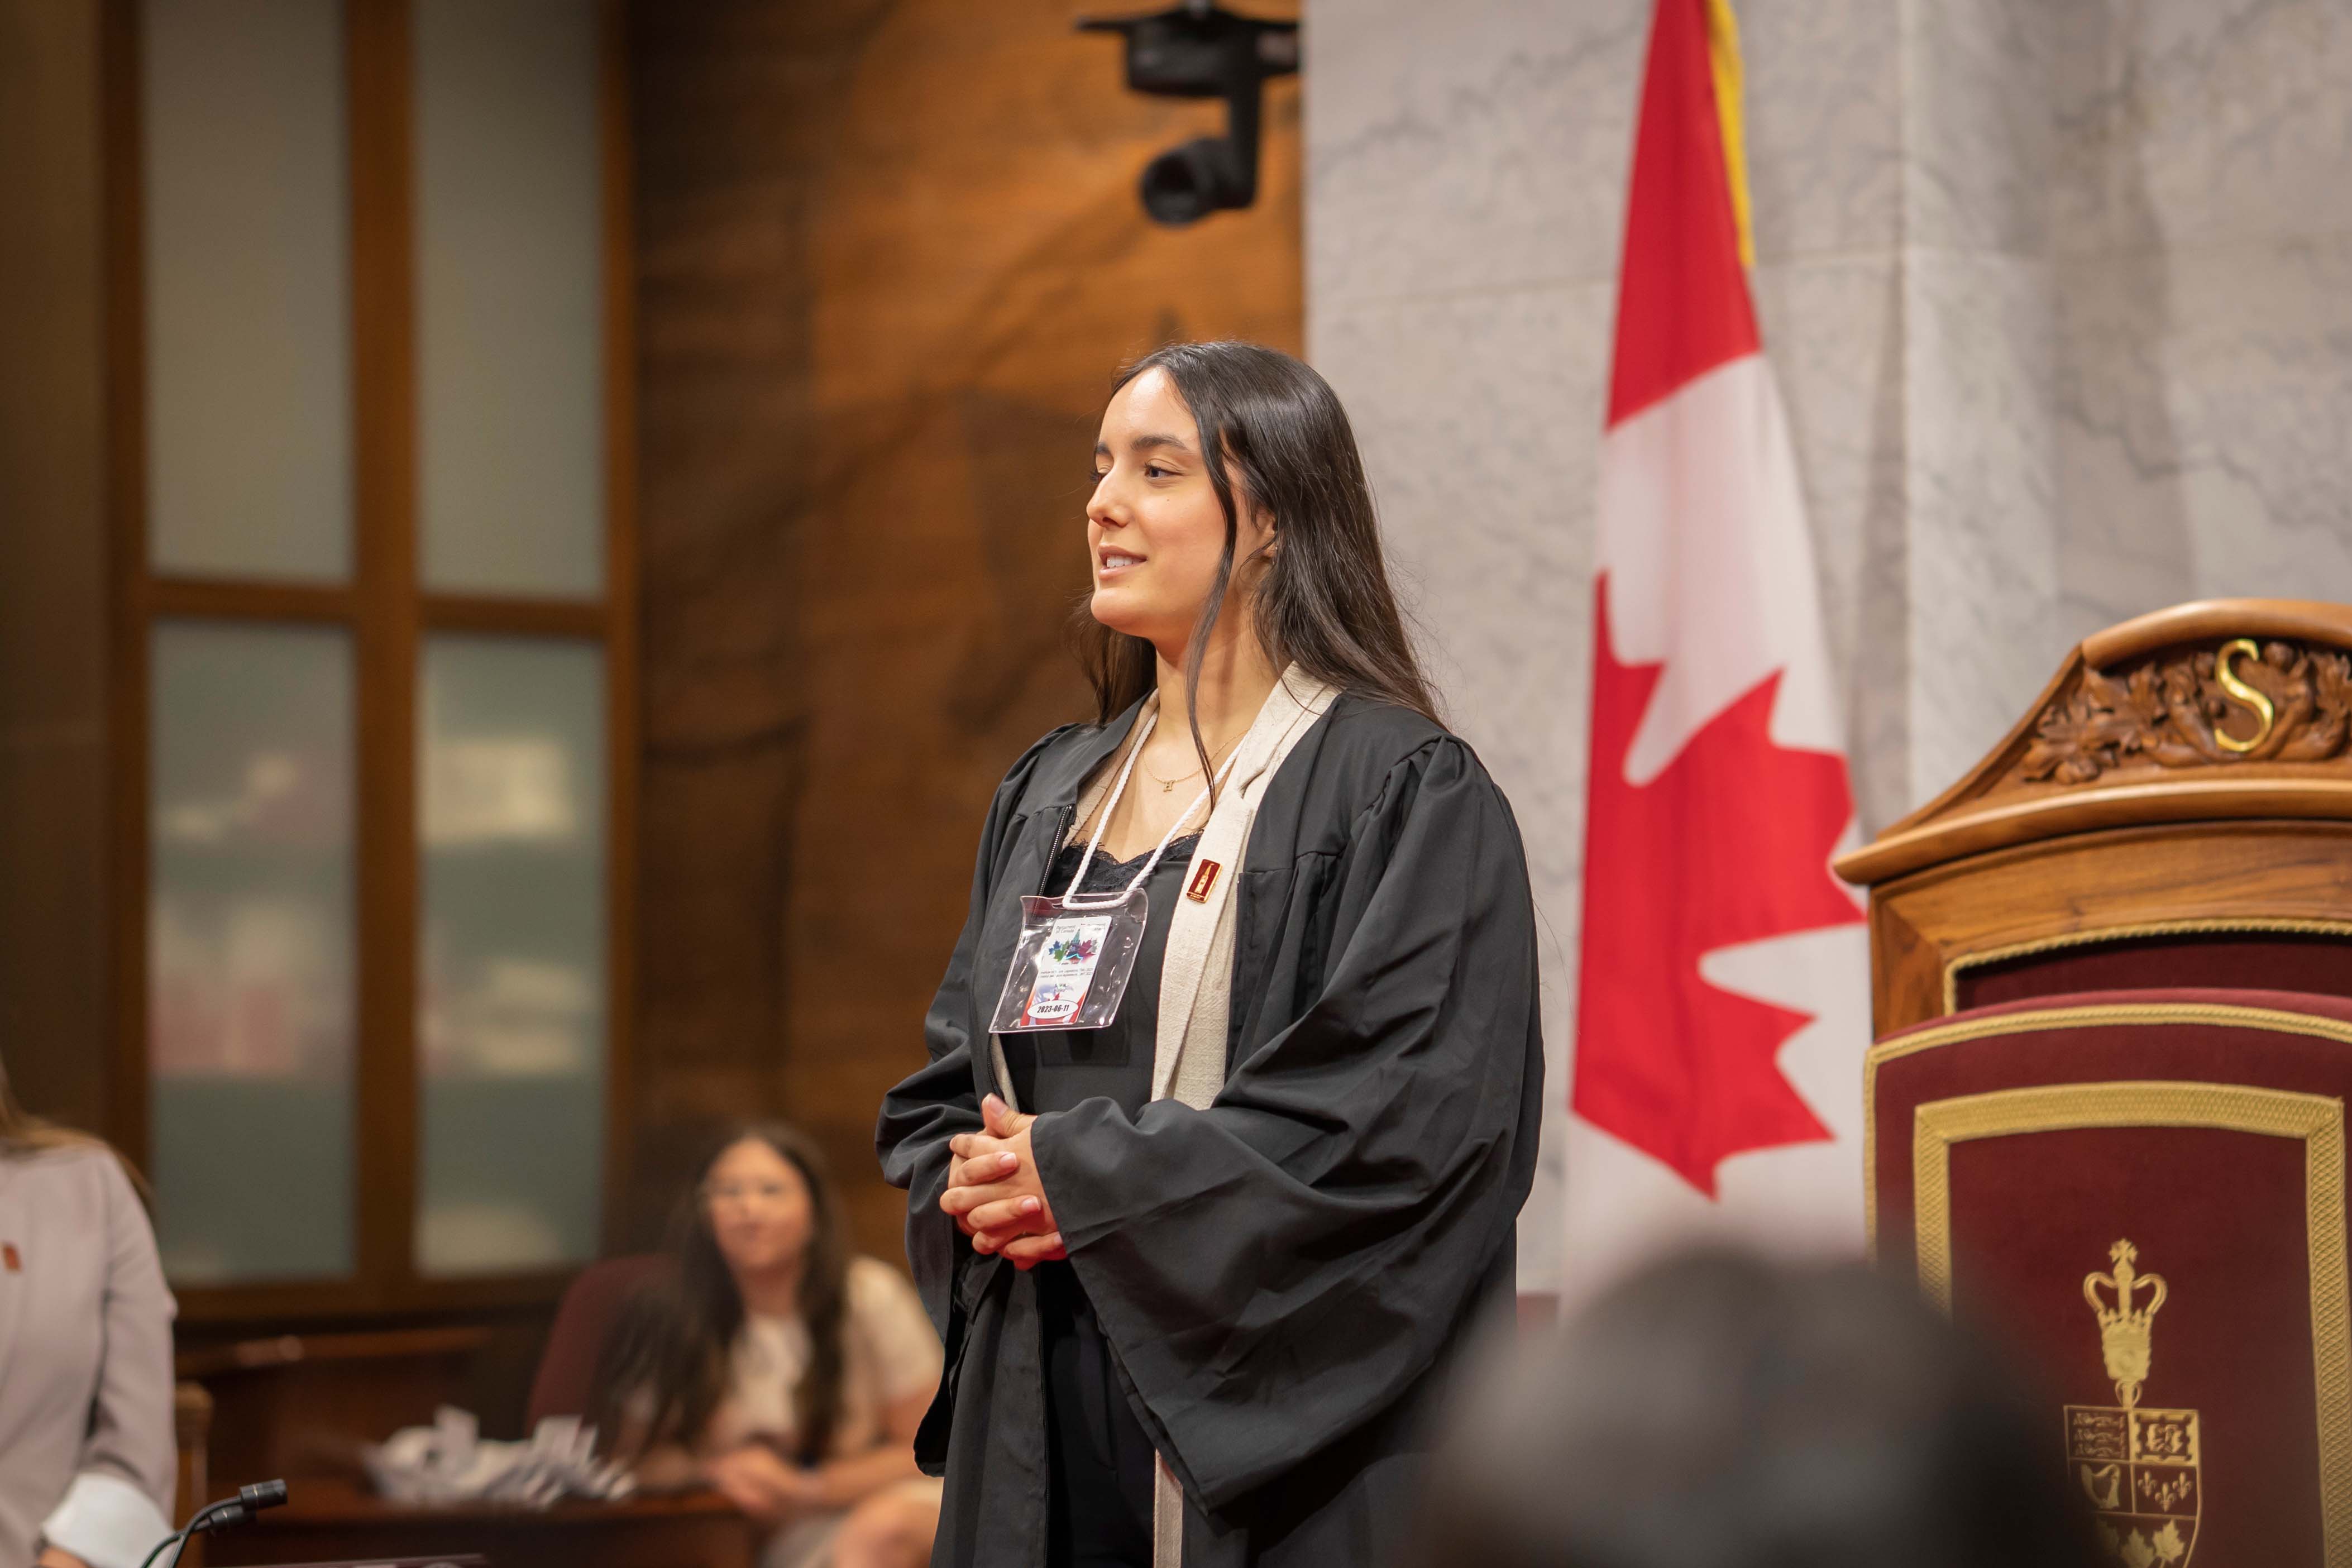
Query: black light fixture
[1199, 50]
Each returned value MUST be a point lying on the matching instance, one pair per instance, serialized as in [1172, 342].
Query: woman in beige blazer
[86, 1459]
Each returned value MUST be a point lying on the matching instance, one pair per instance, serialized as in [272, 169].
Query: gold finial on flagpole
[1723, 56]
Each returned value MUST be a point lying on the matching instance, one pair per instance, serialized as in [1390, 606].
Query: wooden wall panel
[891, 255]
[54, 1023]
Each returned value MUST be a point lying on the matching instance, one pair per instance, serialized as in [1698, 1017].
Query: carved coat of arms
[2138, 1465]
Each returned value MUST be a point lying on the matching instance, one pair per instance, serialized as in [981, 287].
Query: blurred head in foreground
[1716, 1411]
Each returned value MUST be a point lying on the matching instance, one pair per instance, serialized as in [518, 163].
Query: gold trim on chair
[2284, 925]
[2027, 1021]
[2314, 1120]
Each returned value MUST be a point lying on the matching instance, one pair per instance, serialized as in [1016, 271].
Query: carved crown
[2224, 708]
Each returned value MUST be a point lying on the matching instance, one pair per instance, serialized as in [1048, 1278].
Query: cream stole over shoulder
[1196, 974]
[1196, 978]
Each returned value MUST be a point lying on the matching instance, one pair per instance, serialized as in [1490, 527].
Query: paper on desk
[450, 1462]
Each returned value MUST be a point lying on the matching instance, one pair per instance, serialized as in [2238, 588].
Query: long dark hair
[675, 1336]
[22, 1133]
[1324, 602]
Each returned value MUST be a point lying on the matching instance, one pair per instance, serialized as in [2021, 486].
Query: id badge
[1071, 966]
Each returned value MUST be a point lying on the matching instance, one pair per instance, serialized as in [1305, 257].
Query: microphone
[248, 1502]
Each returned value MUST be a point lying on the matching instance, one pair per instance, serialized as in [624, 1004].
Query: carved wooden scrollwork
[2280, 702]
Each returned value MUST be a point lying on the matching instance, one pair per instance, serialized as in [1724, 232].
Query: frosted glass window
[247, 256]
[508, 296]
[249, 955]
[511, 992]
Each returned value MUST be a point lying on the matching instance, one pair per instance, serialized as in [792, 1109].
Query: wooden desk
[327, 1519]
[298, 1406]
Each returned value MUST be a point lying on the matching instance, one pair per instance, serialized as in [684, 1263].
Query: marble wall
[2056, 292]
[2202, 239]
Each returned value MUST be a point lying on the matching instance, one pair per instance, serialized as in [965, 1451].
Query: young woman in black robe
[1264, 1286]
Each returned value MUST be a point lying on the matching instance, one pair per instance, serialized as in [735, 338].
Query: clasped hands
[765, 1485]
[994, 1195]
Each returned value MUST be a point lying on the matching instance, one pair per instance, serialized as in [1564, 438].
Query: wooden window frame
[388, 614]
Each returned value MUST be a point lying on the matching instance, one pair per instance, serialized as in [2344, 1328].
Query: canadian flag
[1723, 1001]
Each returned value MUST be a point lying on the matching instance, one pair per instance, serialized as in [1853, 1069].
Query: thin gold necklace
[1166, 785]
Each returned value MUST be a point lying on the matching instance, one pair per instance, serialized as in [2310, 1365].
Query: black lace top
[1101, 1464]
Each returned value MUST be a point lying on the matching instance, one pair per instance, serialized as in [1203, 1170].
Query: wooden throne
[2112, 981]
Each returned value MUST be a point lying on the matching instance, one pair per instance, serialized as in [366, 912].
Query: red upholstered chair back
[2312, 963]
[567, 1368]
[2145, 1191]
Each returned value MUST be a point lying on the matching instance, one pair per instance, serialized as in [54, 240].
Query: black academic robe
[1284, 1276]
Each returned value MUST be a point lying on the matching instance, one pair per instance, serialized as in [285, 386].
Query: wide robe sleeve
[940, 1100]
[1281, 1268]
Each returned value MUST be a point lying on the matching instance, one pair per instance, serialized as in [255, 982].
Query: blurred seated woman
[86, 1452]
[779, 1369]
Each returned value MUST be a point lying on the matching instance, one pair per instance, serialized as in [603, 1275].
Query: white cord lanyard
[1070, 899]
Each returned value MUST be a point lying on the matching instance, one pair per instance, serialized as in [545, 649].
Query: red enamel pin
[1204, 879]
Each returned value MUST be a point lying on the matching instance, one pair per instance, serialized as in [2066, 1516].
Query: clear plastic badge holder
[1073, 965]
[1077, 955]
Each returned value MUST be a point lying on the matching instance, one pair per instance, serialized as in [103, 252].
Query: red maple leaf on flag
[1729, 843]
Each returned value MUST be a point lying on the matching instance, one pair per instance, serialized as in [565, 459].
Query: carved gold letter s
[2265, 714]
